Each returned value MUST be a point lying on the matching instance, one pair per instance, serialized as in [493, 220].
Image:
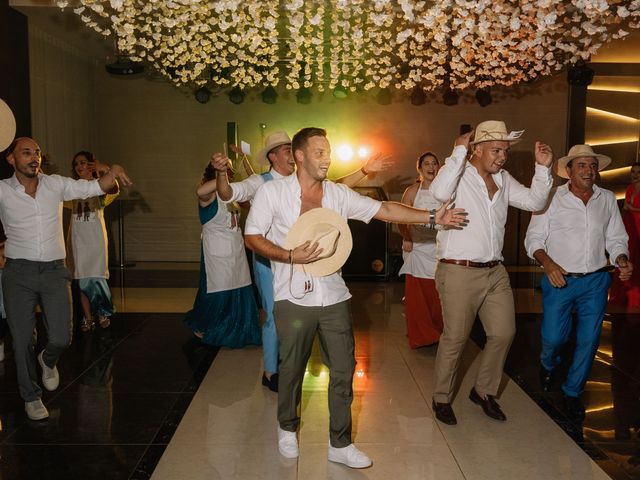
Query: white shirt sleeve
[245, 190]
[445, 184]
[78, 189]
[360, 207]
[616, 238]
[534, 198]
[260, 216]
[537, 233]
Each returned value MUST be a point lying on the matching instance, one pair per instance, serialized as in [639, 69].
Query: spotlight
[483, 96]
[344, 153]
[304, 96]
[236, 95]
[203, 94]
[340, 92]
[450, 97]
[363, 151]
[384, 96]
[269, 95]
[418, 97]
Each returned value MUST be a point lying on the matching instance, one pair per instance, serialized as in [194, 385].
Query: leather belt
[607, 268]
[469, 263]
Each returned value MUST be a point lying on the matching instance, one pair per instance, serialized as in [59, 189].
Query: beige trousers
[466, 292]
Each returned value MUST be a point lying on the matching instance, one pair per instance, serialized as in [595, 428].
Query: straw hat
[578, 151]
[273, 140]
[7, 125]
[494, 130]
[333, 235]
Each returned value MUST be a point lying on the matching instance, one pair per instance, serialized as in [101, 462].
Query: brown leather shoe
[444, 413]
[489, 406]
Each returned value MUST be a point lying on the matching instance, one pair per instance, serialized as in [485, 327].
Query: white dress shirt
[245, 190]
[483, 238]
[576, 235]
[275, 209]
[34, 225]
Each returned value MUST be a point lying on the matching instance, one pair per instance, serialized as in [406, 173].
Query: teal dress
[226, 318]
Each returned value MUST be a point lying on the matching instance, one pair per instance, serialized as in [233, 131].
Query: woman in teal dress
[224, 312]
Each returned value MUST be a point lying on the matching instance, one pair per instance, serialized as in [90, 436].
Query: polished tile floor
[140, 399]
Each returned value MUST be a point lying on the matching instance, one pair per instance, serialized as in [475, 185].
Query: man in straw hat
[470, 277]
[569, 239]
[299, 223]
[277, 153]
[35, 271]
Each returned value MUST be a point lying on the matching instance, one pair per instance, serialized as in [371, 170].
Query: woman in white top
[423, 312]
[225, 313]
[87, 247]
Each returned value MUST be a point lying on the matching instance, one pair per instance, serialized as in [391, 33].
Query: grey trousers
[297, 326]
[26, 284]
[464, 293]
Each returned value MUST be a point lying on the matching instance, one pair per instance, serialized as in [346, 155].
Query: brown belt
[469, 263]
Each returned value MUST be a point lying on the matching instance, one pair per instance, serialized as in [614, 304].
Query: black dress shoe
[546, 379]
[270, 383]
[444, 413]
[574, 407]
[489, 405]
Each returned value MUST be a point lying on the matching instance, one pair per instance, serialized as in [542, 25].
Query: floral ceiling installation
[358, 44]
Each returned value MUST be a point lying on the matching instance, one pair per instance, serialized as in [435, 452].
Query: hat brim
[7, 126]
[261, 158]
[324, 266]
[511, 142]
[561, 169]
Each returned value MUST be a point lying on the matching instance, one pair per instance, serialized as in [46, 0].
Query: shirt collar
[15, 184]
[564, 189]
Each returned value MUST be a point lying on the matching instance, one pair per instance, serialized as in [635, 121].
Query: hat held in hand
[330, 231]
[7, 125]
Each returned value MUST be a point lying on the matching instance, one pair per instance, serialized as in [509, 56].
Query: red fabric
[422, 311]
[628, 293]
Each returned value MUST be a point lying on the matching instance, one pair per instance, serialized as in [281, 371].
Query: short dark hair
[422, 158]
[301, 137]
[85, 154]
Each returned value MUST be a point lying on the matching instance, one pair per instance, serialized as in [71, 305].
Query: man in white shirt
[277, 151]
[470, 277]
[306, 305]
[35, 272]
[569, 239]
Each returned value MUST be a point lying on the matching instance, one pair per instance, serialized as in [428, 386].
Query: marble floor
[144, 399]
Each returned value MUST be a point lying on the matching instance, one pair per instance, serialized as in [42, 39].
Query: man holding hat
[569, 239]
[470, 277]
[35, 271]
[299, 223]
[277, 152]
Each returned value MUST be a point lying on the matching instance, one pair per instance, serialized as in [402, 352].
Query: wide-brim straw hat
[578, 151]
[272, 141]
[7, 126]
[333, 235]
[495, 130]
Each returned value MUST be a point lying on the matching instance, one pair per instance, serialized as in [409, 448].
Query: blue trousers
[264, 282]
[588, 297]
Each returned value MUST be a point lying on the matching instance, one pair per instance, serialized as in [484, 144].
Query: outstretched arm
[376, 163]
[110, 176]
[399, 213]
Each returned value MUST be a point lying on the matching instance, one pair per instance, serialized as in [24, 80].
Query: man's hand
[220, 162]
[544, 154]
[625, 267]
[555, 273]
[452, 217]
[464, 140]
[407, 245]
[377, 163]
[306, 253]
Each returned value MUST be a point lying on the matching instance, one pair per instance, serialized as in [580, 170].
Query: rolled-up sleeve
[245, 190]
[534, 198]
[360, 207]
[537, 233]
[445, 184]
[78, 189]
[260, 216]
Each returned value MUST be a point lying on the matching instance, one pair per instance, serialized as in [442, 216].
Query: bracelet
[290, 257]
[432, 219]
[364, 172]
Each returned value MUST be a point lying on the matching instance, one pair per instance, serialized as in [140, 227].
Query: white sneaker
[350, 456]
[50, 376]
[36, 410]
[287, 443]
